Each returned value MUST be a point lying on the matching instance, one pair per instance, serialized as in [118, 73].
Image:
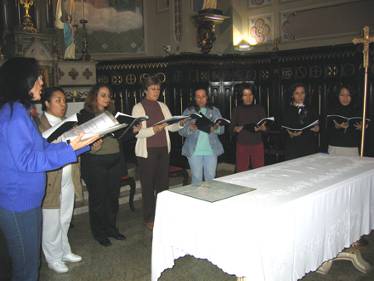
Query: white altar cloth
[304, 212]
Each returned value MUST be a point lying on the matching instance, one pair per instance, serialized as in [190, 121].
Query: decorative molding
[178, 27]
[259, 3]
[292, 19]
[75, 73]
[130, 79]
[76, 94]
[122, 66]
[163, 5]
[38, 50]
[261, 27]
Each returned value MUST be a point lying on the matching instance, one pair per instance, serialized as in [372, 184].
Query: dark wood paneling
[322, 70]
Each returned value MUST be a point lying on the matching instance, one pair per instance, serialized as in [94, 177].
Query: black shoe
[118, 236]
[104, 242]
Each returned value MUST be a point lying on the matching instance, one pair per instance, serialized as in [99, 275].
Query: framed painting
[114, 26]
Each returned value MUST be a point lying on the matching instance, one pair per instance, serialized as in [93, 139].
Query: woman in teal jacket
[202, 149]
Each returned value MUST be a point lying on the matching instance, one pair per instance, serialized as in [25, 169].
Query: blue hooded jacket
[25, 157]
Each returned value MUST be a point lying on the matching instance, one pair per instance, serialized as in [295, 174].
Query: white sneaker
[58, 267]
[71, 258]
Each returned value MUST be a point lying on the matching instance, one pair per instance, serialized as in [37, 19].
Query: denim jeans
[22, 231]
[202, 165]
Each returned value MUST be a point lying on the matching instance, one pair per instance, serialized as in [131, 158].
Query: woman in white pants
[62, 185]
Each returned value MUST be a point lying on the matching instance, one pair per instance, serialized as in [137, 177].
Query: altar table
[302, 213]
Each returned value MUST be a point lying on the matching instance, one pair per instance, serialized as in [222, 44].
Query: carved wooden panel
[322, 70]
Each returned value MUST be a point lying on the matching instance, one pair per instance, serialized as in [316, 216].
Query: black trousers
[154, 178]
[102, 176]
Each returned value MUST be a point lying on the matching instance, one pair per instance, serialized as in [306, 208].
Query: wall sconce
[246, 45]
[243, 46]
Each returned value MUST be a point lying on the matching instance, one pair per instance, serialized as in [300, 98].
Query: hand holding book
[259, 126]
[343, 125]
[206, 125]
[358, 126]
[78, 142]
[159, 127]
[293, 134]
[96, 146]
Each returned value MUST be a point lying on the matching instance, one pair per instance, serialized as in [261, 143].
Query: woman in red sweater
[249, 146]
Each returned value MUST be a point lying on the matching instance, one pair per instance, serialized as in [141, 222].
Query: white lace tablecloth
[304, 212]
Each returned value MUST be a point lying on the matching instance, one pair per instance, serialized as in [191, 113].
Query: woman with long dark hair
[102, 169]
[343, 135]
[298, 115]
[25, 157]
[201, 148]
[249, 145]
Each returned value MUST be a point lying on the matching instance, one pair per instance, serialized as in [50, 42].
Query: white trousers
[56, 222]
[343, 151]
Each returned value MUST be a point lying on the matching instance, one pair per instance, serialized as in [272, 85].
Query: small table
[303, 213]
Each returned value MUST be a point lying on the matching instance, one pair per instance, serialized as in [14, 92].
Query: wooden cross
[366, 40]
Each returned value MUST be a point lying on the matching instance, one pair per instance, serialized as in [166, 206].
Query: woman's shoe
[118, 236]
[58, 267]
[104, 242]
[71, 258]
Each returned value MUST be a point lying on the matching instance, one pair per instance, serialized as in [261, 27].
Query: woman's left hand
[215, 127]
[315, 129]
[358, 126]
[136, 128]
[96, 146]
[262, 128]
[182, 122]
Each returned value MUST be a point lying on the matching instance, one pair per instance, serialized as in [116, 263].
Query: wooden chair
[130, 181]
[176, 171]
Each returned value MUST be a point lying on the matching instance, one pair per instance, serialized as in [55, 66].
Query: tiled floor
[130, 260]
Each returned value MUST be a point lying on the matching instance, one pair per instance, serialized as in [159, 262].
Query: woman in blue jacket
[25, 157]
[202, 149]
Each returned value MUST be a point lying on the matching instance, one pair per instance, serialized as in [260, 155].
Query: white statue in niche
[64, 20]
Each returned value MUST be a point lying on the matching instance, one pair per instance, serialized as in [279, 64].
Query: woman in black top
[344, 135]
[297, 116]
[102, 170]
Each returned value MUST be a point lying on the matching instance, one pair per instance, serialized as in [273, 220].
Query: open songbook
[311, 125]
[101, 125]
[251, 126]
[56, 131]
[130, 120]
[204, 123]
[342, 119]
[178, 118]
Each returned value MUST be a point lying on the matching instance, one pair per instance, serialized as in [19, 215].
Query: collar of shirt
[53, 120]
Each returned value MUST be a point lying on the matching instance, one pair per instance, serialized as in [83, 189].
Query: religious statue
[64, 19]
